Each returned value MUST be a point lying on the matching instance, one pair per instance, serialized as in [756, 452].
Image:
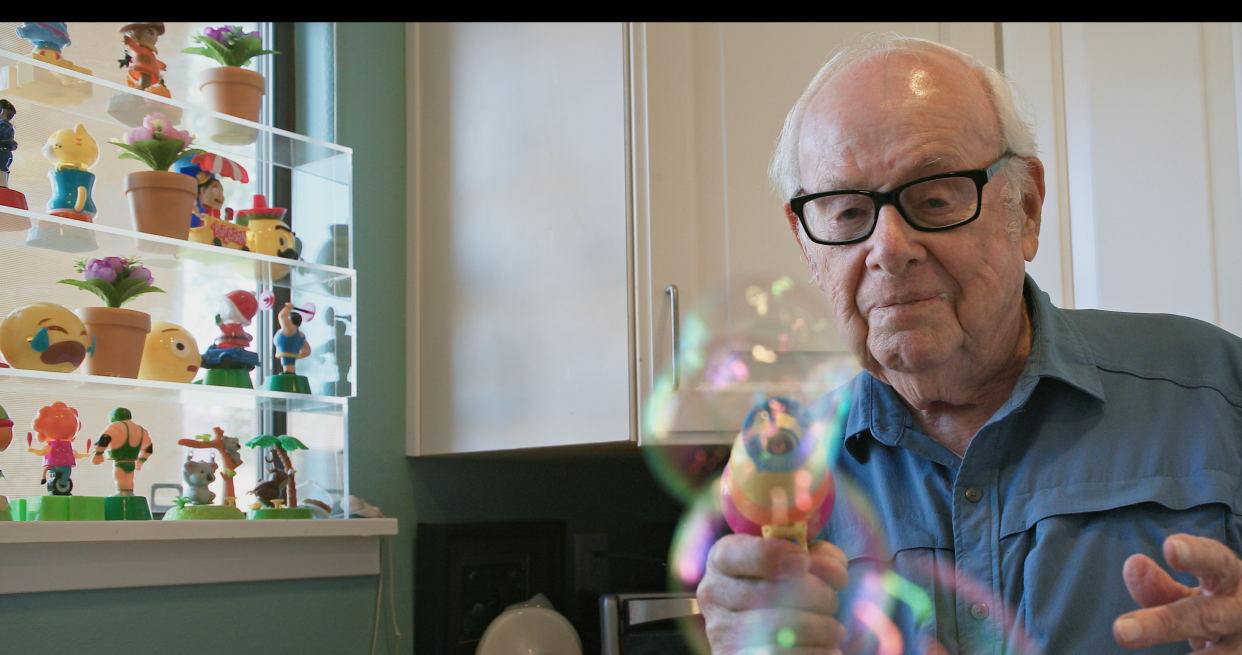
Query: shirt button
[979, 611]
[974, 496]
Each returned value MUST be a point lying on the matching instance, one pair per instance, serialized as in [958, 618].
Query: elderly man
[1017, 468]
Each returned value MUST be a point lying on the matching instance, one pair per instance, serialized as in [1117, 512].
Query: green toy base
[126, 508]
[228, 377]
[282, 513]
[289, 382]
[204, 513]
[58, 508]
[4, 509]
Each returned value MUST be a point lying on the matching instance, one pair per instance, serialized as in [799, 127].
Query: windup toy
[72, 152]
[57, 425]
[195, 503]
[44, 336]
[229, 449]
[44, 86]
[9, 197]
[144, 72]
[291, 345]
[208, 225]
[128, 446]
[276, 480]
[6, 437]
[228, 361]
[170, 354]
[777, 482]
[269, 234]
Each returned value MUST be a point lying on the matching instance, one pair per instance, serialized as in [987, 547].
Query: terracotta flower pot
[119, 335]
[237, 92]
[161, 202]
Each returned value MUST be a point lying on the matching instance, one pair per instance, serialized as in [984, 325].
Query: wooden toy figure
[291, 345]
[9, 197]
[777, 482]
[57, 425]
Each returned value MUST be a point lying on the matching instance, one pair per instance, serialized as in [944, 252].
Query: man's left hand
[1209, 616]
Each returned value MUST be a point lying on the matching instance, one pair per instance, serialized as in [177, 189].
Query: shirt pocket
[1062, 550]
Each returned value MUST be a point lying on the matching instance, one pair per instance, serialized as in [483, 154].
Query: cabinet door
[709, 101]
[519, 238]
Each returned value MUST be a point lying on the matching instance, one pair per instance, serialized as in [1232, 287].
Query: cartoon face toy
[44, 337]
[211, 194]
[6, 430]
[170, 354]
[71, 149]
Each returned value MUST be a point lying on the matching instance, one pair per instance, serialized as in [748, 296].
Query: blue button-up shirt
[1121, 430]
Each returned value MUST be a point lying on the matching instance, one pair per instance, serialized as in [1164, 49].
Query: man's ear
[1032, 209]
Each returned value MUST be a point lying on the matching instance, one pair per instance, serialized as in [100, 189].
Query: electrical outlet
[590, 569]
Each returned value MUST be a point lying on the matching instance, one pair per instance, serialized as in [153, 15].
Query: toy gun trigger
[41, 342]
[81, 202]
[91, 351]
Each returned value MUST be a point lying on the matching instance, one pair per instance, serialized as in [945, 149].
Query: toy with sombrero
[144, 72]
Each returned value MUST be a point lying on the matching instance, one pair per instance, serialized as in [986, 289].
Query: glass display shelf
[280, 147]
[122, 390]
[159, 252]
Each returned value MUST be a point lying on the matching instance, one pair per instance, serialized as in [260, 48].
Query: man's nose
[894, 245]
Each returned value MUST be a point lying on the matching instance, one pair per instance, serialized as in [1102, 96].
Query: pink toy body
[778, 482]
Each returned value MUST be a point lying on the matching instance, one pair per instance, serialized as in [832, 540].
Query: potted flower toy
[119, 334]
[231, 89]
[161, 201]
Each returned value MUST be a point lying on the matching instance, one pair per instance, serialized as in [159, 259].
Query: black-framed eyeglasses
[928, 204]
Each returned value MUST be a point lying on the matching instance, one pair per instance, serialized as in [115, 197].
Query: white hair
[1017, 133]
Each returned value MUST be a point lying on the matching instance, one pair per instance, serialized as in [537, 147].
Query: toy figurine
[129, 446]
[169, 354]
[269, 233]
[291, 345]
[777, 482]
[57, 425]
[49, 87]
[207, 225]
[44, 336]
[269, 490]
[230, 454]
[72, 152]
[197, 476]
[144, 72]
[228, 362]
[9, 197]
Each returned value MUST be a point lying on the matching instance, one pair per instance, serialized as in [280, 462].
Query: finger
[747, 556]
[1196, 617]
[1151, 585]
[808, 593]
[829, 564]
[1227, 646]
[1217, 568]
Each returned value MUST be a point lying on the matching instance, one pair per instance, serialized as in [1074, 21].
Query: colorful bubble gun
[777, 483]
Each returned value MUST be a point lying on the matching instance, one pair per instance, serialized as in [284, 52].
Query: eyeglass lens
[934, 203]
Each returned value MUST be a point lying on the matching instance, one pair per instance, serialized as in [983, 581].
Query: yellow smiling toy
[170, 354]
[45, 337]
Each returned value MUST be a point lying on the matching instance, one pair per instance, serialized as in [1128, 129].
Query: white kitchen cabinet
[1139, 131]
[563, 177]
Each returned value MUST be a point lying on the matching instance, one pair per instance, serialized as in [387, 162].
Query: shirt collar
[1058, 351]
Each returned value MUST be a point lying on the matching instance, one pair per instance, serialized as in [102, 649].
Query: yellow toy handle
[77, 206]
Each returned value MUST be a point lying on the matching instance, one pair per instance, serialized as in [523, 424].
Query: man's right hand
[770, 596]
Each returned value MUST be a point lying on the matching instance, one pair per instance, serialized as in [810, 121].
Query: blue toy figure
[48, 39]
[8, 139]
[73, 152]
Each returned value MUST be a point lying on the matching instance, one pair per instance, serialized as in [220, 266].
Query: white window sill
[65, 555]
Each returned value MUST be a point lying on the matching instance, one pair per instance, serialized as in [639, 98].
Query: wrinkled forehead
[900, 111]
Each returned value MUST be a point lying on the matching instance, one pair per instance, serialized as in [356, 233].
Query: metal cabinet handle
[671, 290]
